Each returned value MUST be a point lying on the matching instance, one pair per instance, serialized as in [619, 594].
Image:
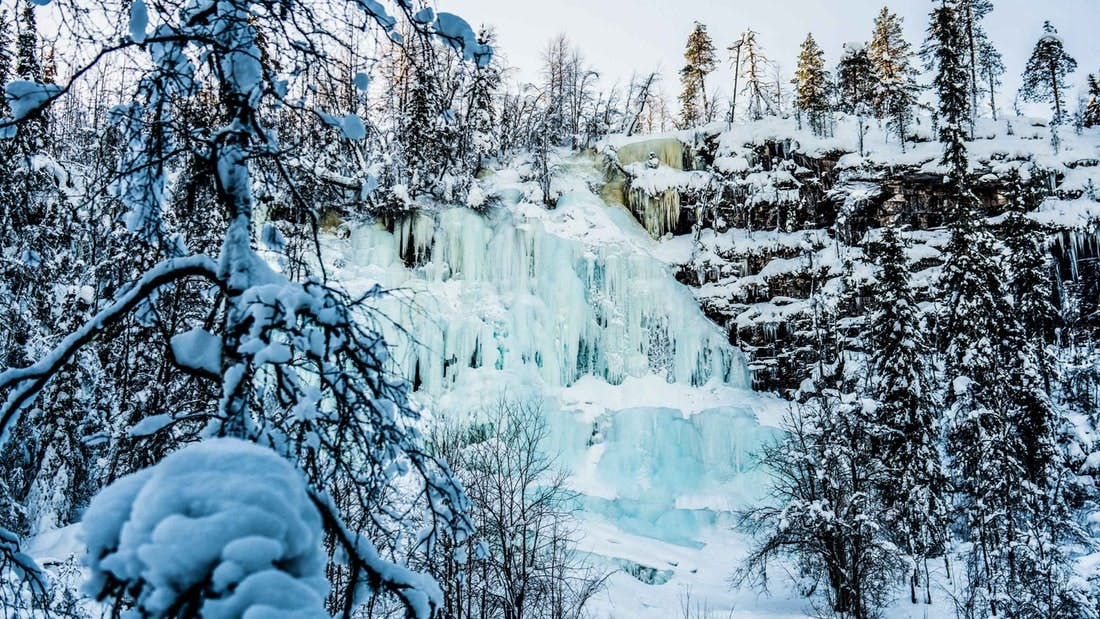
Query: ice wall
[669, 150]
[507, 291]
[646, 401]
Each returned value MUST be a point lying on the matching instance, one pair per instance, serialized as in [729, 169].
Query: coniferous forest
[322, 308]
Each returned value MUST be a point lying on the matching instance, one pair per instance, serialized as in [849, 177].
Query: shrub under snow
[221, 529]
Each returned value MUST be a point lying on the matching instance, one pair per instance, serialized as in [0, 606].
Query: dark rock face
[784, 241]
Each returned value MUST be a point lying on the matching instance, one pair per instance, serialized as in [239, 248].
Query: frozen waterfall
[647, 402]
[513, 292]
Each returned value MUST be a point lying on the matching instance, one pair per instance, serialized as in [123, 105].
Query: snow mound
[225, 517]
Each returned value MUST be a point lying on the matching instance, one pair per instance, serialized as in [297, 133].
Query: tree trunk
[973, 66]
[1054, 89]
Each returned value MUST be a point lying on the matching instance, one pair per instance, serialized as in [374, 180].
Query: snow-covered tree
[27, 65]
[812, 85]
[6, 57]
[482, 112]
[895, 86]
[948, 60]
[1091, 117]
[1046, 71]
[1028, 269]
[520, 563]
[971, 13]
[756, 87]
[296, 363]
[904, 425]
[982, 444]
[990, 68]
[699, 62]
[247, 537]
[855, 78]
[824, 515]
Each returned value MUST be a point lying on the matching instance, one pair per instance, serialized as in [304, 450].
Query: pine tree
[981, 442]
[855, 78]
[1046, 71]
[1028, 270]
[32, 136]
[699, 62]
[904, 426]
[27, 66]
[950, 83]
[482, 116]
[971, 13]
[5, 59]
[1092, 107]
[812, 84]
[895, 86]
[753, 74]
[991, 68]
[1043, 582]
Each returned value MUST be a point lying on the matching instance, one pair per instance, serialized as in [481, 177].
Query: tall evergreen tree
[1046, 71]
[895, 77]
[1028, 269]
[991, 68]
[5, 58]
[27, 65]
[699, 62]
[855, 78]
[950, 83]
[482, 115]
[971, 13]
[812, 85]
[904, 426]
[1092, 106]
[981, 442]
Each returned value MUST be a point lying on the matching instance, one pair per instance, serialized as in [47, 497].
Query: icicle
[492, 291]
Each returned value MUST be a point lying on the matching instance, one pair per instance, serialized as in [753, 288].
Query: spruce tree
[1028, 269]
[812, 84]
[904, 425]
[950, 83]
[482, 116]
[1046, 71]
[855, 78]
[895, 86]
[1042, 575]
[5, 59]
[991, 68]
[971, 13]
[32, 136]
[699, 61]
[1092, 107]
[27, 66]
[981, 442]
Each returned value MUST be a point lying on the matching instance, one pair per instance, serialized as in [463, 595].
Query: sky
[621, 36]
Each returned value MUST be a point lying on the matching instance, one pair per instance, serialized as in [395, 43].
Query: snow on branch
[26, 383]
[223, 527]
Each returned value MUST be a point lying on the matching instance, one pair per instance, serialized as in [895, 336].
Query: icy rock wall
[659, 213]
[669, 150]
[493, 291]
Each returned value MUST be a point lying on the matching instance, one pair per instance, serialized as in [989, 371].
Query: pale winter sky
[619, 36]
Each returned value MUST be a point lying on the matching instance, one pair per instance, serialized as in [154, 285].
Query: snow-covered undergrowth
[646, 401]
[226, 519]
